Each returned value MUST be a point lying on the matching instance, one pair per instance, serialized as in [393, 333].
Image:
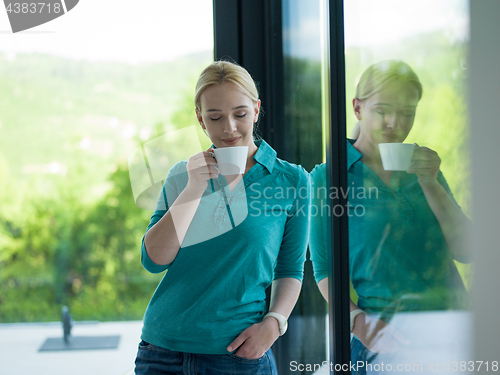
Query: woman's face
[228, 115]
[387, 117]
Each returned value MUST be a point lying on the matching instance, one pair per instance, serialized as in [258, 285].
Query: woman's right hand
[377, 335]
[201, 168]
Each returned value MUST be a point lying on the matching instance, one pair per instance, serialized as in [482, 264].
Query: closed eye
[215, 119]
[241, 116]
[409, 114]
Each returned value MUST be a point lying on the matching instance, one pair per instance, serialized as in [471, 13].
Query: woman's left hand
[256, 340]
[425, 164]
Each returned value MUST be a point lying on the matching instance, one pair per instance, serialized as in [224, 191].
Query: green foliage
[49, 104]
[73, 237]
[302, 83]
[441, 122]
[63, 251]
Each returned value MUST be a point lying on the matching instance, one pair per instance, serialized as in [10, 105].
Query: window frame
[250, 33]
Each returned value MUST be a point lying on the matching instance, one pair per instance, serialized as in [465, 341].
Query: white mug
[231, 160]
[396, 156]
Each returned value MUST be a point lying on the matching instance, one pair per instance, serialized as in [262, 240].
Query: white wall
[485, 144]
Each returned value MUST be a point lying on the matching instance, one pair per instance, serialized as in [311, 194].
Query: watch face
[285, 326]
[282, 322]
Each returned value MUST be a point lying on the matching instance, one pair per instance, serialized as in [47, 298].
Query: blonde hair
[225, 71]
[380, 75]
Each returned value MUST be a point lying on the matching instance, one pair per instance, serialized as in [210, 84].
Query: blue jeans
[154, 360]
[360, 353]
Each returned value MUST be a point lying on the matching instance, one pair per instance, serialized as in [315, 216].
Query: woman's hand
[377, 335]
[256, 340]
[451, 219]
[201, 168]
[425, 164]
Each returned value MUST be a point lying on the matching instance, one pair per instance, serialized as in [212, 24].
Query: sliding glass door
[386, 245]
[406, 79]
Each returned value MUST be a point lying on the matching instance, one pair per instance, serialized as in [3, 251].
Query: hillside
[52, 108]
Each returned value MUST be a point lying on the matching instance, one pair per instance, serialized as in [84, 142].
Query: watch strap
[354, 314]
[282, 321]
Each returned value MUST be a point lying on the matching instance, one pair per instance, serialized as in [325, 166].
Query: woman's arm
[359, 329]
[452, 220]
[258, 338]
[323, 288]
[375, 334]
[164, 239]
[284, 295]
[450, 217]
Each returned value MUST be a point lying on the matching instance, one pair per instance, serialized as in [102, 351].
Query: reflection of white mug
[231, 160]
[396, 156]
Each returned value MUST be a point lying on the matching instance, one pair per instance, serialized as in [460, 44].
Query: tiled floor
[437, 339]
[437, 343]
[19, 345]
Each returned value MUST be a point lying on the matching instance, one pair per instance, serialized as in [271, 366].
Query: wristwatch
[354, 314]
[283, 323]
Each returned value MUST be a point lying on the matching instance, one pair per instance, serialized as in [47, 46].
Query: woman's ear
[356, 104]
[200, 119]
[257, 111]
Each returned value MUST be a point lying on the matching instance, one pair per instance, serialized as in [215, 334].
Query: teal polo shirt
[238, 242]
[398, 256]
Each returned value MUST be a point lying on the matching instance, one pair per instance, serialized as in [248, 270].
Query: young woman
[405, 228]
[223, 240]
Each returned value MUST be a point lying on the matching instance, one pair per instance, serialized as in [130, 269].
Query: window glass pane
[406, 70]
[80, 95]
[303, 138]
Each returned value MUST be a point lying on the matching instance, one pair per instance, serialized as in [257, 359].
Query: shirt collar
[265, 155]
[353, 155]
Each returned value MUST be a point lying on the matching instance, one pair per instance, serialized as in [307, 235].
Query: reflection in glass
[405, 227]
[304, 343]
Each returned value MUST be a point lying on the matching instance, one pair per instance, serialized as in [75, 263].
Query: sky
[379, 22]
[119, 30]
[372, 22]
[162, 30]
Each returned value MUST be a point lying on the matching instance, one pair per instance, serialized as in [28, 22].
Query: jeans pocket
[246, 360]
[145, 345]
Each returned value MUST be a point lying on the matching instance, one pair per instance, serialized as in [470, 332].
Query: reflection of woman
[405, 228]
[224, 240]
